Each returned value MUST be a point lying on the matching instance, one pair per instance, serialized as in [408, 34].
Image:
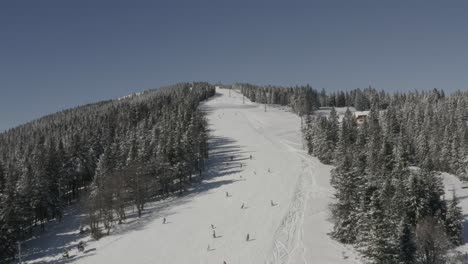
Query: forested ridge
[110, 154]
[390, 203]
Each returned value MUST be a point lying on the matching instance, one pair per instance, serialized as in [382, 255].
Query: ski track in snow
[292, 231]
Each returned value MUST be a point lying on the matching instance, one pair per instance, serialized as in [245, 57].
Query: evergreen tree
[407, 246]
[381, 245]
[454, 222]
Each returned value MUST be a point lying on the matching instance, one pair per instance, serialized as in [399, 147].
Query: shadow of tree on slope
[224, 159]
[59, 236]
[221, 151]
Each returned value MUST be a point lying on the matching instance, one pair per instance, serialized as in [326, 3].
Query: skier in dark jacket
[81, 246]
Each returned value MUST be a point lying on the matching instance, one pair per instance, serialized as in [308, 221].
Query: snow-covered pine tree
[373, 147]
[343, 180]
[407, 247]
[321, 141]
[454, 221]
[382, 246]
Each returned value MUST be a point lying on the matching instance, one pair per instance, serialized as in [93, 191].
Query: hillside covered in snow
[276, 179]
[260, 182]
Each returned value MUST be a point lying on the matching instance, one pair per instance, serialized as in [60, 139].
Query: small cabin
[361, 117]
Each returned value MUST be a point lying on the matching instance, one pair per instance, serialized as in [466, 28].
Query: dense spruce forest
[390, 203]
[110, 155]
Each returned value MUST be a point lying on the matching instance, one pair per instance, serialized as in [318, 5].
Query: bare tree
[431, 242]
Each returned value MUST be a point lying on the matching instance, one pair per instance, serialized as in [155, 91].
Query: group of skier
[80, 247]
[242, 207]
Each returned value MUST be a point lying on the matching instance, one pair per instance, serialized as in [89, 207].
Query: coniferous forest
[389, 201]
[110, 155]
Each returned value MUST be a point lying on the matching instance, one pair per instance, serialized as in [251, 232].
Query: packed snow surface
[284, 193]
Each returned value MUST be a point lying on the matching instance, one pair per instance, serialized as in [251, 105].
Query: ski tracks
[288, 245]
[289, 236]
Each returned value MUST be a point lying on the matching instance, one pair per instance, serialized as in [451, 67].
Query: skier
[272, 203]
[241, 165]
[81, 246]
[212, 226]
[65, 254]
[214, 234]
[248, 237]
[164, 220]
[227, 194]
[208, 248]
[224, 262]
[242, 207]
[232, 157]
[250, 157]
[268, 169]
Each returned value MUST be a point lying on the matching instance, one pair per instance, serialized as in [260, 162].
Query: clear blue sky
[59, 54]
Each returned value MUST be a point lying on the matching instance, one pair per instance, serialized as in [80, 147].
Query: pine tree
[382, 244]
[323, 149]
[344, 210]
[333, 128]
[361, 101]
[373, 147]
[454, 222]
[407, 246]
[415, 203]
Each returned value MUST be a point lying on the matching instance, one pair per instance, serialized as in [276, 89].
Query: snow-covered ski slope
[292, 230]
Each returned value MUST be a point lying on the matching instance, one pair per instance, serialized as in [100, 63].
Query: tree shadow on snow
[462, 197]
[221, 150]
[57, 237]
[66, 236]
